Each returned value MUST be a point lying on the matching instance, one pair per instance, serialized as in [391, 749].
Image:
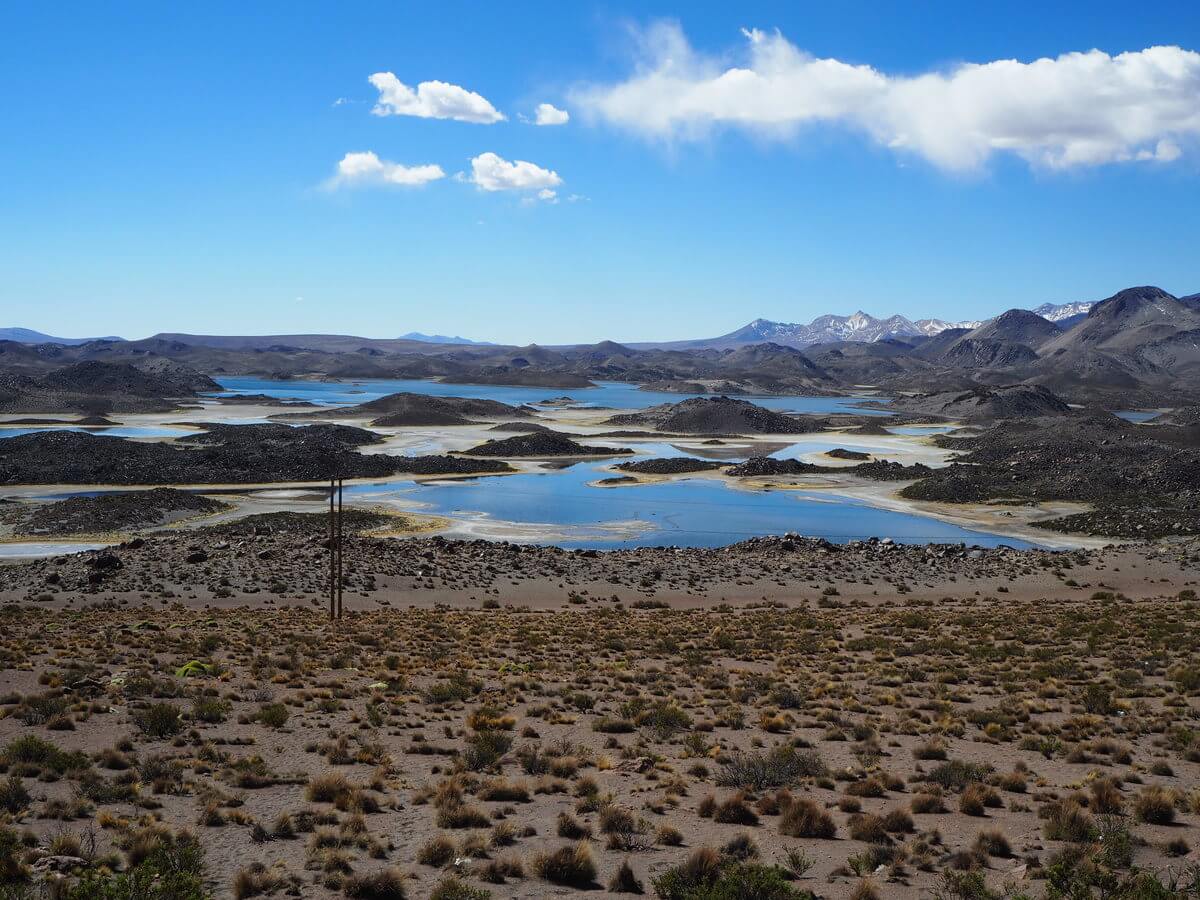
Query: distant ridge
[29, 336]
[441, 339]
[860, 327]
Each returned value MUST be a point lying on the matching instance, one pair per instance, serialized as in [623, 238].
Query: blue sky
[165, 168]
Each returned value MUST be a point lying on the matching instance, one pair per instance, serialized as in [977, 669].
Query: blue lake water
[921, 430]
[612, 394]
[694, 512]
[689, 512]
[1138, 416]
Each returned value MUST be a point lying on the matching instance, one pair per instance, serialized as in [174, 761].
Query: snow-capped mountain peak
[1056, 312]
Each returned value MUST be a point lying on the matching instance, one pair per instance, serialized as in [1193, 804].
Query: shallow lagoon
[561, 506]
[686, 512]
[609, 394]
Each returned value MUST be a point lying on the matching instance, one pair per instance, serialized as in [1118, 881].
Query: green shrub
[13, 796]
[273, 715]
[779, 767]
[484, 749]
[730, 880]
[956, 774]
[172, 870]
[454, 690]
[454, 888]
[159, 720]
[664, 719]
[210, 710]
[31, 750]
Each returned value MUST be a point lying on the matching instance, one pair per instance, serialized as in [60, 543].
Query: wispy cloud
[1077, 109]
[549, 114]
[431, 100]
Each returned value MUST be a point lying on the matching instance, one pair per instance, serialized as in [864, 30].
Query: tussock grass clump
[256, 880]
[805, 819]
[1155, 806]
[328, 788]
[735, 811]
[572, 866]
[868, 828]
[1106, 797]
[384, 884]
[976, 798]
[926, 803]
[1066, 820]
[567, 826]
[438, 851]
[668, 836]
[501, 790]
[993, 842]
[462, 815]
[625, 881]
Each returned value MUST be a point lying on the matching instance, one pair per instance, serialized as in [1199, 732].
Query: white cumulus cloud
[365, 168]
[1076, 109]
[549, 114]
[431, 100]
[494, 173]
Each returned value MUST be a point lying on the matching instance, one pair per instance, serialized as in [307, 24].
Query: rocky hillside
[301, 455]
[977, 405]
[93, 388]
[716, 415]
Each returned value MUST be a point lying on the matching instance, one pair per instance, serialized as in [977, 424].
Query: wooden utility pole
[340, 545]
[332, 553]
[335, 541]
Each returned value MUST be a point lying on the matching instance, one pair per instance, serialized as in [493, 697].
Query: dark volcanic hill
[1021, 401]
[1128, 321]
[539, 444]
[267, 435]
[407, 408]
[1017, 326]
[1141, 479]
[68, 457]
[716, 415]
[92, 388]
[1007, 342]
[117, 511]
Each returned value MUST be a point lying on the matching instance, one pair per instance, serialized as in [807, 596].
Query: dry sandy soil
[864, 721]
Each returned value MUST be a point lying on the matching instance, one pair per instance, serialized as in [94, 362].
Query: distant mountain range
[29, 336]
[1139, 348]
[442, 339]
[860, 327]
